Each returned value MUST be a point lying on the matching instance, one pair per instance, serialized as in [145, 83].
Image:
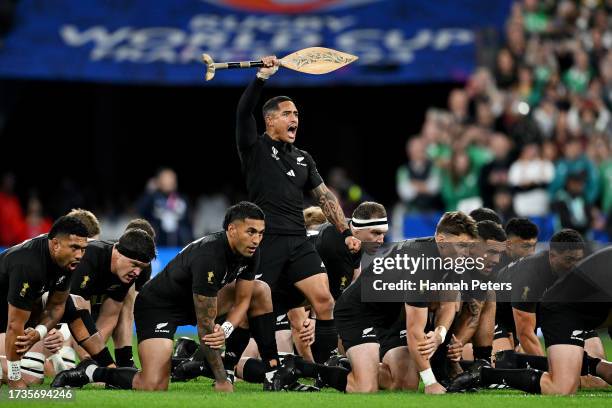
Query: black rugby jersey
[203, 268]
[339, 262]
[531, 277]
[277, 174]
[93, 279]
[27, 271]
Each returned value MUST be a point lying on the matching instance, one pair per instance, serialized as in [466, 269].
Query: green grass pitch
[199, 394]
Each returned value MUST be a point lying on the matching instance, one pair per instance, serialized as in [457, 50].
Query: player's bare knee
[261, 292]
[323, 303]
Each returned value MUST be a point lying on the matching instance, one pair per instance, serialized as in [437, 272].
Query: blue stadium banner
[160, 41]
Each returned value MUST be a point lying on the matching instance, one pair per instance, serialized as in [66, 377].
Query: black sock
[117, 377]
[483, 353]
[262, 329]
[234, 347]
[326, 340]
[254, 371]
[123, 355]
[526, 379]
[529, 361]
[335, 376]
[192, 369]
[307, 368]
[103, 358]
[589, 365]
[506, 359]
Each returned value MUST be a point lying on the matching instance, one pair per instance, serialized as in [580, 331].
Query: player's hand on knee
[271, 64]
[429, 345]
[435, 388]
[27, 340]
[53, 341]
[455, 350]
[224, 386]
[216, 339]
[353, 244]
[307, 331]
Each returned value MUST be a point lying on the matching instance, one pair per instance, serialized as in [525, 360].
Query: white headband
[360, 224]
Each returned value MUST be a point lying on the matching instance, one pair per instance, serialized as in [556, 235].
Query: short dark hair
[137, 244]
[368, 210]
[68, 225]
[490, 230]
[484, 213]
[142, 224]
[566, 240]
[457, 223]
[242, 211]
[272, 104]
[89, 219]
[522, 227]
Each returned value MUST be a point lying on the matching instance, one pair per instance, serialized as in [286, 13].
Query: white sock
[89, 371]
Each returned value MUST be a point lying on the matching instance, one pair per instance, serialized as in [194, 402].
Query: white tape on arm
[65, 331]
[228, 328]
[428, 377]
[14, 370]
[42, 330]
[442, 330]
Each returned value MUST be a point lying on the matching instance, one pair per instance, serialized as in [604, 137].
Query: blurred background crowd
[528, 134]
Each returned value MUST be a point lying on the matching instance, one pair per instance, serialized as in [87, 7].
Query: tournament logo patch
[24, 289]
[211, 276]
[525, 293]
[85, 280]
[343, 282]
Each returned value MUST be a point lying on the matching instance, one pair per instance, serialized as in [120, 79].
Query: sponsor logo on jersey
[291, 173]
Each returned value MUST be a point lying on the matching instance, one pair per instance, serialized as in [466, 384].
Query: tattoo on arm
[206, 312]
[330, 206]
[474, 308]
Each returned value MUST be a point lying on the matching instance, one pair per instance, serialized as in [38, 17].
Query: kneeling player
[213, 275]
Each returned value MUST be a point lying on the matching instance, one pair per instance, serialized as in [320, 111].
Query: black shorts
[565, 325]
[504, 322]
[357, 334]
[285, 260]
[153, 321]
[393, 337]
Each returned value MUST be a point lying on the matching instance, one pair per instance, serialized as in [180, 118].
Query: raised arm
[246, 126]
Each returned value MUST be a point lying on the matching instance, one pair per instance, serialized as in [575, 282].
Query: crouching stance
[211, 276]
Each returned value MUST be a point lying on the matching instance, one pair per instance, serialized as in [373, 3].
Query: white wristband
[65, 331]
[42, 330]
[14, 370]
[442, 332]
[428, 377]
[228, 328]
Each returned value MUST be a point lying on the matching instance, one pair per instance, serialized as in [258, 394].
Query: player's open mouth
[72, 265]
[291, 130]
[251, 249]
